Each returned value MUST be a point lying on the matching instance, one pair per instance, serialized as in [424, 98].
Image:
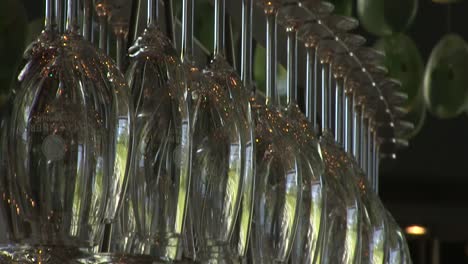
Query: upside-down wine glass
[312, 34]
[216, 162]
[113, 13]
[307, 244]
[119, 238]
[161, 170]
[215, 224]
[342, 238]
[241, 236]
[11, 233]
[278, 173]
[70, 141]
[373, 230]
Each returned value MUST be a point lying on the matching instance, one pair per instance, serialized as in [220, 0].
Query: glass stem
[325, 69]
[120, 50]
[152, 14]
[331, 99]
[376, 161]
[271, 96]
[72, 16]
[339, 111]
[230, 42]
[219, 28]
[357, 143]
[134, 19]
[348, 141]
[246, 49]
[50, 21]
[169, 14]
[59, 15]
[87, 20]
[364, 138]
[187, 31]
[311, 86]
[370, 155]
[103, 31]
[291, 67]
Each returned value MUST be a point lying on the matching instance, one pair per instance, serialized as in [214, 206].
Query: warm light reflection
[416, 230]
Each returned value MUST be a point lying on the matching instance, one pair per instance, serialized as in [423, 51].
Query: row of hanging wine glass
[116, 14]
[330, 26]
[200, 151]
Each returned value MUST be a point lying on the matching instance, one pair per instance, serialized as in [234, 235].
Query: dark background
[427, 184]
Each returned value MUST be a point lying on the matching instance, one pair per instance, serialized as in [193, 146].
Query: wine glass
[341, 206]
[241, 236]
[120, 237]
[214, 226]
[308, 238]
[217, 153]
[161, 170]
[72, 124]
[278, 187]
[374, 229]
[374, 226]
[345, 214]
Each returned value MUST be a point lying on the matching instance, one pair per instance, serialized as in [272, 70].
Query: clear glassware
[217, 152]
[161, 170]
[278, 180]
[120, 239]
[241, 235]
[364, 98]
[278, 190]
[344, 217]
[309, 236]
[373, 229]
[215, 225]
[70, 140]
